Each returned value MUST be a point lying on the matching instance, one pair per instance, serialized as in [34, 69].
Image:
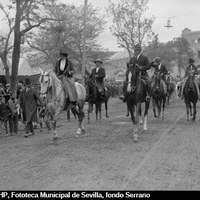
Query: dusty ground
[167, 156]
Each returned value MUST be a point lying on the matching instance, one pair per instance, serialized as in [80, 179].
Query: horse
[56, 100]
[136, 95]
[95, 97]
[170, 87]
[158, 95]
[190, 95]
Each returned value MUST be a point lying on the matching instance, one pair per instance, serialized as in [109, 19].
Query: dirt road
[167, 156]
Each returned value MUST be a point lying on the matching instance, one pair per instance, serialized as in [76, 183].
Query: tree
[28, 16]
[69, 33]
[129, 24]
[182, 50]
[5, 44]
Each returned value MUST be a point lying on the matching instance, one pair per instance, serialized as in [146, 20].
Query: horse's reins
[48, 87]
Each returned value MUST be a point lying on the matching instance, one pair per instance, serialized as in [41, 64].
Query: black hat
[98, 60]
[27, 81]
[137, 47]
[156, 59]
[191, 60]
[63, 52]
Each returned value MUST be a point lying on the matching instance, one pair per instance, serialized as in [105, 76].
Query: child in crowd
[5, 112]
[13, 118]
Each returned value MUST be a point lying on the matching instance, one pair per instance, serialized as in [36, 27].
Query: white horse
[52, 88]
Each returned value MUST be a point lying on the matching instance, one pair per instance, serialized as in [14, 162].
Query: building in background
[193, 37]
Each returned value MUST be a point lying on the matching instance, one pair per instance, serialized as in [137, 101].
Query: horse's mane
[55, 81]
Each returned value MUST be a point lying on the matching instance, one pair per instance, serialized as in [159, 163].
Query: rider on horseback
[142, 62]
[64, 70]
[98, 74]
[159, 67]
[190, 68]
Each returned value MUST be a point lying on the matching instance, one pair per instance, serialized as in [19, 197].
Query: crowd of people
[23, 105]
[20, 106]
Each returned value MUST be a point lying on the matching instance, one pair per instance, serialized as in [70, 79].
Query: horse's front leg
[154, 107]
[147, 103]
[163, 107]
[194, 111]
[96, 110]
[90, 109]
[100, 110]
[106, 108]
[139, 113]
[53, 129]
[187, 111]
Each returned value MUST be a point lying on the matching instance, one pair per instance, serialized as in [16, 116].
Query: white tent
[24, 68]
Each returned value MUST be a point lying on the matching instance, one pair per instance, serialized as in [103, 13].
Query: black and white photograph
[99, 95]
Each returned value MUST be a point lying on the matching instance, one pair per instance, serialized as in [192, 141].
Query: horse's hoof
[83, 130]
[107, 116]
[135, 138]
[55, 138]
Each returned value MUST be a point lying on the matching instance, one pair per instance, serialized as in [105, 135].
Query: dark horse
[158, 95]
[136, 95]
[190, 95]
[170, 87]
[95, 97]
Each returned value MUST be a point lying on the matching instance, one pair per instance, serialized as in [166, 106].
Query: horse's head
[45, 83]
[157, 76]
[133, 74]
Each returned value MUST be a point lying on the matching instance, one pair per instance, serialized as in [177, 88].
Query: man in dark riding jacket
[190, 68]
[142, 62]
[159, 67]
[98, 74]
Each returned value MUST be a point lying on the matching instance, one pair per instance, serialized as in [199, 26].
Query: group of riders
[64, 70]
[142, 63]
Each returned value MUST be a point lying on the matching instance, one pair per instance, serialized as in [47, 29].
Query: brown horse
[94, 97]
[190, 95]
[136, 95]
[158, 96]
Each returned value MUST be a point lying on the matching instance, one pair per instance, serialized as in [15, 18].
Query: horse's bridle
[48, 87]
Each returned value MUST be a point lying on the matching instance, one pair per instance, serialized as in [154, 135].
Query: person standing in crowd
[28, 100]
[64, 70]
[2, 90]
[7, 91]
[13, 118]
[5, 112]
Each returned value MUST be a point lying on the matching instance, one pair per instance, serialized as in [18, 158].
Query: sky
[183, 13]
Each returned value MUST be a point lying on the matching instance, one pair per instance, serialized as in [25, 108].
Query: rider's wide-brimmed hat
[137, 47]
[27, 81]
[156, 59]
[191, 60]
[98, 60]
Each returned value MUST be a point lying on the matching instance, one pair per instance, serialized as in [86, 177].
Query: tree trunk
[6, 67]
[179, 64]
[16, 50]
